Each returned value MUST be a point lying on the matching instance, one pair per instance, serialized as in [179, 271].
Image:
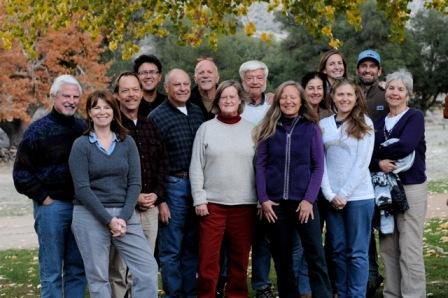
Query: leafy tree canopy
[124, 22]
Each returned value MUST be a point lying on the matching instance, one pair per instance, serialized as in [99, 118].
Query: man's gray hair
[253, 65]
[404, 76]
[63, 80]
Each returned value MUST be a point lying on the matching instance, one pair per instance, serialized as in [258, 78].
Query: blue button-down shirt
[94, 140]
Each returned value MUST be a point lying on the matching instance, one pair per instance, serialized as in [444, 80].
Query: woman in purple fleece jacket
[289, 167]
[402, 251]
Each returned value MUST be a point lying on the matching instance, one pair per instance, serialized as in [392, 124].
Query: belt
[180, 174]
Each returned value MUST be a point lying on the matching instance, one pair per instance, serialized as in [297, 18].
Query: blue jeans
[261, 258]
[178, 241]
[61, 267]
[300, 266]
[349, 236]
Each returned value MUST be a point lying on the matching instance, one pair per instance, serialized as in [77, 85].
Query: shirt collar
[94, 139]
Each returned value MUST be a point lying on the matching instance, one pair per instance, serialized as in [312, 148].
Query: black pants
[280, 236]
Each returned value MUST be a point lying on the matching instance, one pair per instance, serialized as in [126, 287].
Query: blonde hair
[268, 125]
[356, 123]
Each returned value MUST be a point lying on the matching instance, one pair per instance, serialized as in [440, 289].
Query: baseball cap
[369, 54]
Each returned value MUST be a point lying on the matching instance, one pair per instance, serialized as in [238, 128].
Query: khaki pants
[119, 277]
[402, 251]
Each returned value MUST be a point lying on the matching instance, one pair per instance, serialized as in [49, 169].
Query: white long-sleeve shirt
[221, 168]
[347, 160]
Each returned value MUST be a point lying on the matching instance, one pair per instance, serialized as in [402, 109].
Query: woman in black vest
[289, 168]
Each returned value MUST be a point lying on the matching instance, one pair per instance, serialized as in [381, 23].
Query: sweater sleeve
[261, 157]
[79, 168]
[134, 179]
[197, 166]
[412, 133]
[25, 179]
[317, 166]
[362, 156]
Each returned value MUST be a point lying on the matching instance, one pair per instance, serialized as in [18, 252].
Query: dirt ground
[16, 220]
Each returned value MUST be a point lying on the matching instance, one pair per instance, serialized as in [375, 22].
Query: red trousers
[236, 223]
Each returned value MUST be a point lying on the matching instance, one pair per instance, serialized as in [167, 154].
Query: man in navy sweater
[41, 172]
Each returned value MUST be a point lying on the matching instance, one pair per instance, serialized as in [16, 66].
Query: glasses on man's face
[146, 73]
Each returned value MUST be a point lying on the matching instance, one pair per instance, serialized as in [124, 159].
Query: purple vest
[288, 168]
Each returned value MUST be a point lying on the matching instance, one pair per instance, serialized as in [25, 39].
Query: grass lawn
[19, 268]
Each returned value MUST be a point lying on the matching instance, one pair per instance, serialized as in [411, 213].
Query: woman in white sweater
[348, 139]
[223, 189]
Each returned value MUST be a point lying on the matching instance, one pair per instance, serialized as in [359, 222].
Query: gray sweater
[106, 181]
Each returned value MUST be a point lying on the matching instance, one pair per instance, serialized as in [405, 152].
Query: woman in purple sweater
[289, 167]
[402, 251]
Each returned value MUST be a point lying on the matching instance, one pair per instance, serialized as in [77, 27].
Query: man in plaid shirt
[178, 121]
[154, 169]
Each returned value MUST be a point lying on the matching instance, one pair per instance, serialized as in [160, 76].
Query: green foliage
[439, 186]
[19, 275]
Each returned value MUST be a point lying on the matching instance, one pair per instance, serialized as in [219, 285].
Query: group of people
[192, 182]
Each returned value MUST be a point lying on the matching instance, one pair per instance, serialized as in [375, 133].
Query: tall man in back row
[149, 71]
[369, 70]
[178, 121]
[41, 173]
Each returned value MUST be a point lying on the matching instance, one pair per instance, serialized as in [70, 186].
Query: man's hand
[164, 213]
[146, 201]
[47, 201]
[201, 210]
[305, 210]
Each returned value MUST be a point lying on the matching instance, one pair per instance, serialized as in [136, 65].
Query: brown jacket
[377, 107]
[445, 111]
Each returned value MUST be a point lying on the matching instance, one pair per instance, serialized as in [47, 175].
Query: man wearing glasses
[149, 70]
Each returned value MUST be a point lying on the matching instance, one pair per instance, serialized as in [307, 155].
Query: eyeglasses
[145, 73]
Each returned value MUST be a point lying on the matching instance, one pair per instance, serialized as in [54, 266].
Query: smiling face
[178, 87]
[229, 102]
[344, 98]
[101, 114]
[368, 72]
[66, 100]
[314, 91]
[149, 76]
[129, 93]
[254, 82]
[334, 67]
[290, 101]
[396, 95]
[206, 75]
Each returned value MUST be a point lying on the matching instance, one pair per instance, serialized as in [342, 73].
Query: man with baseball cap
[368, 69]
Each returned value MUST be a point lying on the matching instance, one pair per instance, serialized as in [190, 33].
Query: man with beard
[206, 77]
[149, 70]
[369, 70]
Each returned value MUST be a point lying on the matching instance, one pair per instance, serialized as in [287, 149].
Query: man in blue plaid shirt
[178, 121]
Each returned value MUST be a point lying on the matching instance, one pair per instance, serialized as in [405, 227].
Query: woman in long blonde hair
[289, 169]
[348, 139]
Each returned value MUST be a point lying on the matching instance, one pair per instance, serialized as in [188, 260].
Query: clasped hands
[117, 227]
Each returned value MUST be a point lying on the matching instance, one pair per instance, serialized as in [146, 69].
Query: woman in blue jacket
[289, 168]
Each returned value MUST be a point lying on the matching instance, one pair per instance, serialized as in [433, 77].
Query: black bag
[399, 200]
